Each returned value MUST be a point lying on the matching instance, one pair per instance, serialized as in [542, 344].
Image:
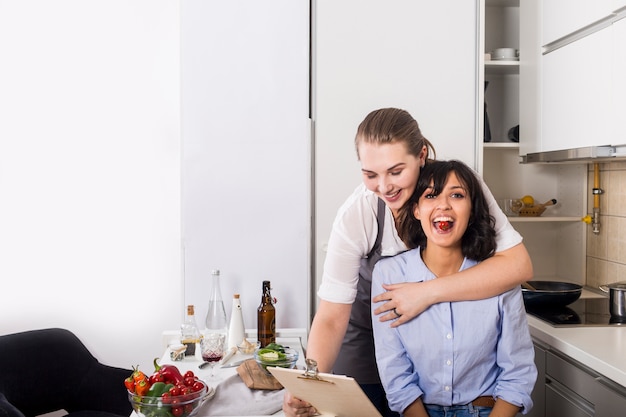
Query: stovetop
[583, 312]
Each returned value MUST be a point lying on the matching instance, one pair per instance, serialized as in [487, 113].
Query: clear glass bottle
[216, 321]
[236, 329]
[266, 317]
[190, 334]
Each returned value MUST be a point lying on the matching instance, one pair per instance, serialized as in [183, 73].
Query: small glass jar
[177, 350]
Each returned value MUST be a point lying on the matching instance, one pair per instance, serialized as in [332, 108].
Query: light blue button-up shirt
[453, 353]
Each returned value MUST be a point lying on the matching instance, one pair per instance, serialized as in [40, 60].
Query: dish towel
[234, 398]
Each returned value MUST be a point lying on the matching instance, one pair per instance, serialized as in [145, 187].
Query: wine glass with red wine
[212, 347]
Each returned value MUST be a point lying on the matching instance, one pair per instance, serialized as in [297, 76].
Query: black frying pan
[551, 293]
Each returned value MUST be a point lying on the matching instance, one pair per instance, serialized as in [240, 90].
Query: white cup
[504, 53]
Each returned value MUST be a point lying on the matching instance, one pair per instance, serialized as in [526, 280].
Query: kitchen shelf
[501, 67]
[501, 145]
[520, 219]
[503, 3]
[555, 241]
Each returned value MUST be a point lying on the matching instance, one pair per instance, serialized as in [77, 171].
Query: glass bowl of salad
[276, 355]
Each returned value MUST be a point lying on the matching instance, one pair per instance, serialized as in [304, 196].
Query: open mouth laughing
[443, 224]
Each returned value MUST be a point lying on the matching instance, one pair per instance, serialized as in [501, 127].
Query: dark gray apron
[356, 357]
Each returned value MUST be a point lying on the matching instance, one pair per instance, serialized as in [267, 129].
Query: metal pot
[617, 298]
[553, 293]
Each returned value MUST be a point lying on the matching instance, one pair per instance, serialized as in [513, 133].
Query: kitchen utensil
[617, 298]
[229, 354]
[233, 364]
[504, 54]
[552, 293]
[513, 134]
[537, 209]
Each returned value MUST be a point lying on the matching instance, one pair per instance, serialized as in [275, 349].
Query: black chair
[46, 370]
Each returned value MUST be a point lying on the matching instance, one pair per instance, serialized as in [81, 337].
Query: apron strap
[380, 217]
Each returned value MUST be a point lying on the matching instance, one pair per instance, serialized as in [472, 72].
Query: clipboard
[332, 395]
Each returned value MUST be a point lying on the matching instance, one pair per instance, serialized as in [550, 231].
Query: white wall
[90, 172]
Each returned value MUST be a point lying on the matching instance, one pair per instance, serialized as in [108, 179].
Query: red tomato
[175, 391]
[177, 411]
[189, 374]
[189, 380]
[166, 398]
[197, 386]
[188, 408]
[187, 394]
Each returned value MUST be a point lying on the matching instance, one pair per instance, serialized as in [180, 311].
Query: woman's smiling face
[390, 171]
[444, 217]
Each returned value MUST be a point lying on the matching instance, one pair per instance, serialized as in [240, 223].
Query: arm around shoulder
[493, 276]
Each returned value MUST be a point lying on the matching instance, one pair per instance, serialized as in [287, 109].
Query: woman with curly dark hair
[466, 358]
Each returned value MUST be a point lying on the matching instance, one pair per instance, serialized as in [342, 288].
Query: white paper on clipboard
[332, 395]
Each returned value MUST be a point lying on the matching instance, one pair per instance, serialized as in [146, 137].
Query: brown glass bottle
[266, 317]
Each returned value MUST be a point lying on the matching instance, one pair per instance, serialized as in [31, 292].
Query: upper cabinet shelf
[501, 145]
[503, 3]
[501, 67]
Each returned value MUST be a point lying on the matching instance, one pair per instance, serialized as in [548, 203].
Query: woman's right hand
[293, 407]
[402, 302]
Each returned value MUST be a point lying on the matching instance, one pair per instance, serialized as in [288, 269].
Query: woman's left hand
[403, 302]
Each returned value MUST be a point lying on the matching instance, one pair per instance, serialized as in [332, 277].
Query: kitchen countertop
[602, 348]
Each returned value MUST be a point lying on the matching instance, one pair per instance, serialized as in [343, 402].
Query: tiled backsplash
[606, 251]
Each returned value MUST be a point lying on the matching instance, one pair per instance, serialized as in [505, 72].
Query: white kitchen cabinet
[246, 163]
[619, 80]
[581, 82]
[562, 17]
[576, 93]
[556, 240]
[420, 56]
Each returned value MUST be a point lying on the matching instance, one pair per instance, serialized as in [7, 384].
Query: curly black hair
[479, 240]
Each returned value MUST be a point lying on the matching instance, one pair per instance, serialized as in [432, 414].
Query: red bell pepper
[170, 373]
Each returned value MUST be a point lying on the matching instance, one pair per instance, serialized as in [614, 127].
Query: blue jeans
[457, 411]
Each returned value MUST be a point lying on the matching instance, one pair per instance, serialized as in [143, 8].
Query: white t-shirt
[354, 233]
